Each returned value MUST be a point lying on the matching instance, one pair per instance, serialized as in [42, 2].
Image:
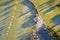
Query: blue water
[33, 11]
[42, 33]
[56, 20]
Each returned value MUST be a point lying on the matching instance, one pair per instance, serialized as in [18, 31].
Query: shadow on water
[28, 22]
[43, 34]
[32, 9]
[24, 13]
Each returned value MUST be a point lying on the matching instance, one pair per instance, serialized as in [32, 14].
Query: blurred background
[19, 17]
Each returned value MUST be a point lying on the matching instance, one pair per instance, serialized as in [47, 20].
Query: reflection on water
[29, 21]
[33, 11]
[43, 34]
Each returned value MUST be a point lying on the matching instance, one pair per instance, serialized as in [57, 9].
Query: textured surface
[16, 18]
